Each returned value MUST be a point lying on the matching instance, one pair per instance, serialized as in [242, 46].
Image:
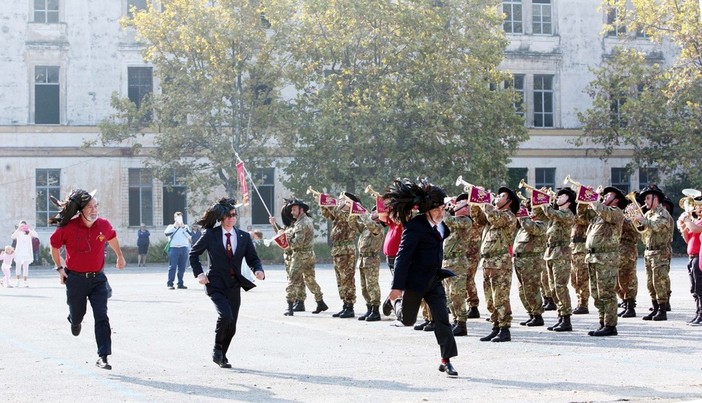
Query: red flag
[522, 212]
[281, 240]
[539, 198]
[326, 200]
[586, 194]
[357, 209]
[479, 196]
[242, 182]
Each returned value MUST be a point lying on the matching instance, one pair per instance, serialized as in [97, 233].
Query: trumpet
[524, 185]
[568, 181]
[313, 192]
[632, 212]
[461, 182]
[587, 195]
[688, 203]
[369, 190]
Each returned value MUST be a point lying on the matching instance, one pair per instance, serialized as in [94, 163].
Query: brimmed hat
[462, 196]
[352, 197]
[653, 189]
[623, 201]
[513, 196]
[668, 204]
[298, 202]
[571, 198]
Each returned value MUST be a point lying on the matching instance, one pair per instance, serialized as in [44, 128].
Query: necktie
[436, 230]
[230, 254]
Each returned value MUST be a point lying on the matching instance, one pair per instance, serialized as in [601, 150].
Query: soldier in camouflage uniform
[301, 240]
[343, 251]
[496, 263]
[657, 234]
[529, 263]
[602, 258]
[558, 254]
[288, 221]
[475, 237]
[627, 281]
[369, 245]
[579, 275]
[455, 247]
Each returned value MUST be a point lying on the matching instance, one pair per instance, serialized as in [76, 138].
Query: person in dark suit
[226, 247]
[418, 274]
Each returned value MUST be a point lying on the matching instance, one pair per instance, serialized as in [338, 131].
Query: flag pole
[248, 175]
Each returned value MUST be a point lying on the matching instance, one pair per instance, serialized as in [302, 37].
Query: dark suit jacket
[221, 266]
[419, 258]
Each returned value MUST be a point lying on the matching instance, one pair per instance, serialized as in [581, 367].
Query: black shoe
[75, 329]
[560, 319]
[460, 329]
[537, 321]
[102, 363]
[321, 307]
[170, 287]
[429, 327]
[225, 363]
[365, 315]
[495, 331]
[473, 313]
[347, 312]
[448, 368]
[549, 304]
[564, 326]
[289, 311]
[531, 317]
[374, 315]
[605, 331]
[421, 326]
[503, 336]
[336, 315]
[299, 306]
[219, 358]
[387, 307]
[581, 310]
[182, 287]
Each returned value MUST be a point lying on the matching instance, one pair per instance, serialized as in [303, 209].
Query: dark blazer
[221, 266]
[419, 258]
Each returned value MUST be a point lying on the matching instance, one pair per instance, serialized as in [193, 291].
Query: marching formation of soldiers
[576, 234]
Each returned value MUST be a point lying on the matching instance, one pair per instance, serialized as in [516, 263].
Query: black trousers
[693, 270]
[435, 297]
[80, 290]
[227, 305]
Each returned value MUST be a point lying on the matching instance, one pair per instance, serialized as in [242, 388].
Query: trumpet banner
[281, 240]
[357, 209]
[522, 212]
[326, 200]
[586, 194]
[479, 196]
[539, 198]
[241, 174]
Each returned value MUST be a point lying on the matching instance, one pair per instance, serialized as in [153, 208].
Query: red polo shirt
[85, 246]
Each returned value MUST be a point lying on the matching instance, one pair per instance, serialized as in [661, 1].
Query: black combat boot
[564, 326]
[592, 332]
[531, 317]
[365, 315]
[581, 310]
[503, 336]
[429, 327]
[473, 313]
[624, 305]
[343, 309]
[654, 311]
[299, 306]
[374, 315]
[493, 333]
[549, 304]
[289, 311]
[560, 319]
[321, 307]
[537, 321]
[605, 331]
[421, 326]
[460, 329]
[348, 313]
[630, 312]
[662, 312]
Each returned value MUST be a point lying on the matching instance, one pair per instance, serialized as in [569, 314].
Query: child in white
[24, 254]
[7, 256]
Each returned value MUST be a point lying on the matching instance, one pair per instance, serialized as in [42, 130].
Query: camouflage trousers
[345, 267]
[369, 271]
[580, 278]
[657, 277]
[456, 291]
[497, 282]
[299, 294]
[627, 281]
[558, 276]
[603, 284]
[472, 297]
[301, 273]
[528, 271]
[546, 290]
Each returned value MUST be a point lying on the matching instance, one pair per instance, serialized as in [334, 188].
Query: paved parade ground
[162, 344]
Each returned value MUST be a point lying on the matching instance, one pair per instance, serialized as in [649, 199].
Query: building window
[541, 23]
[513, 16]
[616, 27]
[140, 83]
[46, 11]
[647, 176]
[141, 197]
[543, 101]
[46, 95]
[135, 5]
[615, 108]
[518, 86]
[620, 179]
[265, 181]
[48, 183]
[515, 175]
[545, 177]
[174, 199]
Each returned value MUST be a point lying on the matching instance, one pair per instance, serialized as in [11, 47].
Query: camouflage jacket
[657, 227]
[630, 236]
[371, 240]
[579, 232]
[456, 245]
[344, 231]
[475, 234]
[301, 234]
[558, 233]
[530, 240]
[603, 234]
[498, 236]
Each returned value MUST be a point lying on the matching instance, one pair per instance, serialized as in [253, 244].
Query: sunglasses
[231, 215]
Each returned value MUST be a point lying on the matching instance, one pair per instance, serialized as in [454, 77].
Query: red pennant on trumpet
[587, 195]
[242, 182]
[522, 212]
[539, 198]
[281, 240]
[326, 200]
[357, 209]
[479, 196]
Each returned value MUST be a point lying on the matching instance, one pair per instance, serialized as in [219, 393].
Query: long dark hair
[70, 207]
[404, 195]
[216, 212]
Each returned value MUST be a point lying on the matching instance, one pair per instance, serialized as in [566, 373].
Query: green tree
[642, 103]
[220, 82]
[399, 89]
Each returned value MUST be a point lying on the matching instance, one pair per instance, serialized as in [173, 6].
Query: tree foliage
[399, 88]
[642, 103]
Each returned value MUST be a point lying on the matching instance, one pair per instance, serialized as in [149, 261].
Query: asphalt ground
[162, 343]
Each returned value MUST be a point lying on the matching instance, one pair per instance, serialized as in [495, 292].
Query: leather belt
[579, 239]
[528, 254]
[86, 274]
[602, 250]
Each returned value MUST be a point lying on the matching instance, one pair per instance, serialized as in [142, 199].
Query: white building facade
[62, 60]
